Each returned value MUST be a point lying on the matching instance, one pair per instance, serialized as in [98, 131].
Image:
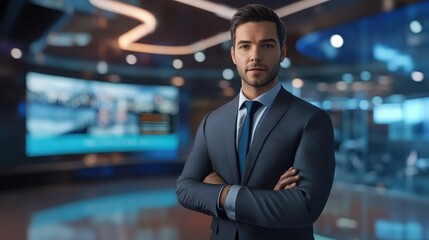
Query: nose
[256, 55]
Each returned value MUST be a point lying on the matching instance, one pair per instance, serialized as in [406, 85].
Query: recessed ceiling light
[16, 53]
[365, 75]
[131, 59]
[417, 76]
[199, 57]
[297, 83]
[177, 64]
[336, 41]
[416, 27]
[102, 67]
[285, 63]
[228, 74]
[177, 81]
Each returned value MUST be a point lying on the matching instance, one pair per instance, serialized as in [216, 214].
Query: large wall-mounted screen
[74, 116]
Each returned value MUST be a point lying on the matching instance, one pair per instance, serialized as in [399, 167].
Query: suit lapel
[278, 108]
[230, 138]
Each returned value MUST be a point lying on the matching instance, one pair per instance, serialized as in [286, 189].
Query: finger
[290, 186]
[289, 179]
[285, 186]
[290, 172]
[283, 183]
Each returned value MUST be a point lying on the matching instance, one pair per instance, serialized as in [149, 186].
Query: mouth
[256, 69]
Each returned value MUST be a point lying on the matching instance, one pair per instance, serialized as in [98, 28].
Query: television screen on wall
[67, 115]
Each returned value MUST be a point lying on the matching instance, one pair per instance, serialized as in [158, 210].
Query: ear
[283, 53]
[232, 50]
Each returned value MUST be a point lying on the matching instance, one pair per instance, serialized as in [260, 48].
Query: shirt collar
[265, 99]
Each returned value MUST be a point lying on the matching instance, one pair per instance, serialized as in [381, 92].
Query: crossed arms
[289, 204]
[286, 181]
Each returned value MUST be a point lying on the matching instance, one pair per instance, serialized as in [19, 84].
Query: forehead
[256, 31]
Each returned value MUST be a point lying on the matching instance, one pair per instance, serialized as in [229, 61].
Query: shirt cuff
[230, 200]
[218, 198]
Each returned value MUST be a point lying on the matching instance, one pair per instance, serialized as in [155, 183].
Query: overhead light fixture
[177, 64]
[128, 40]
[285, 63]
[327, 105]
[336, 41]
[227, 74]
[147, 18]
[365, 75]
[377, 100]
[16, 53]
[177, 81]
[219, 9]
[297, 83]
[199, 57]
[347, 77]
[416, 26]
[131, 59]
[364, 104]
[322, 87]
[417, 76]
[341, 86]
[102, 67]
[297, 7]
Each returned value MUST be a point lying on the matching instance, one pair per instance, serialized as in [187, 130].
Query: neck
[252, 92]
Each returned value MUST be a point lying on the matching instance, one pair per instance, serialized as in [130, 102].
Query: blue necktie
[246, 133]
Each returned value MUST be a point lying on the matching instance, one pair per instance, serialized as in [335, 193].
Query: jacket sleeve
[300, 206]
[191, 192]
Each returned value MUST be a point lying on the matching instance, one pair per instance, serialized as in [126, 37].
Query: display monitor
[67, 115]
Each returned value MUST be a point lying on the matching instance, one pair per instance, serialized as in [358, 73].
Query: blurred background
[100, 101]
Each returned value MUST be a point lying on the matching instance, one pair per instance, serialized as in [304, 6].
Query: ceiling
[80, 38]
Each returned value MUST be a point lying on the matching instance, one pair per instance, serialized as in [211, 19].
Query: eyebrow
[271, 40]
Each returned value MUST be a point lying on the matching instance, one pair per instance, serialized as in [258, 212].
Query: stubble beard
[258, 84]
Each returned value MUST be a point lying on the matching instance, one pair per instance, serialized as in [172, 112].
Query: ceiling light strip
[148, 20]
[218, 9]
[180, 50]
[128, 40]
[298, 6]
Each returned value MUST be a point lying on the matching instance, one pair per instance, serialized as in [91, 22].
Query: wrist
[223, 195]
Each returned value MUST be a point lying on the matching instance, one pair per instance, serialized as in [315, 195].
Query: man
[258, 196]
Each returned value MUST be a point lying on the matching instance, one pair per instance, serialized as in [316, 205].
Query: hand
[288, 180]
[214, 178]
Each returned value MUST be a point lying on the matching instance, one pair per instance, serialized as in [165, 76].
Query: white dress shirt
[266, 100]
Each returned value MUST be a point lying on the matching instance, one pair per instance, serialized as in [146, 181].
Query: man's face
[257, 54]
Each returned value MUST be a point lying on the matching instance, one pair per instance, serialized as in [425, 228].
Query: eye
[244, 46]
[268, 45]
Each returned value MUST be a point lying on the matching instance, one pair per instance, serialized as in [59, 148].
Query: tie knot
[251, 106]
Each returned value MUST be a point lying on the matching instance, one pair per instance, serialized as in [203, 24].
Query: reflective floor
[121, 210]
[362, 212]
[147, 208]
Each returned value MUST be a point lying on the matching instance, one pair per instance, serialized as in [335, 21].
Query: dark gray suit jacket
[292, 133]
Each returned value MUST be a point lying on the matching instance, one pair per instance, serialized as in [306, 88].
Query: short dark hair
[257, 13]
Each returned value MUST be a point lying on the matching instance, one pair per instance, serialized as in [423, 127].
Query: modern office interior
[100, 101]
